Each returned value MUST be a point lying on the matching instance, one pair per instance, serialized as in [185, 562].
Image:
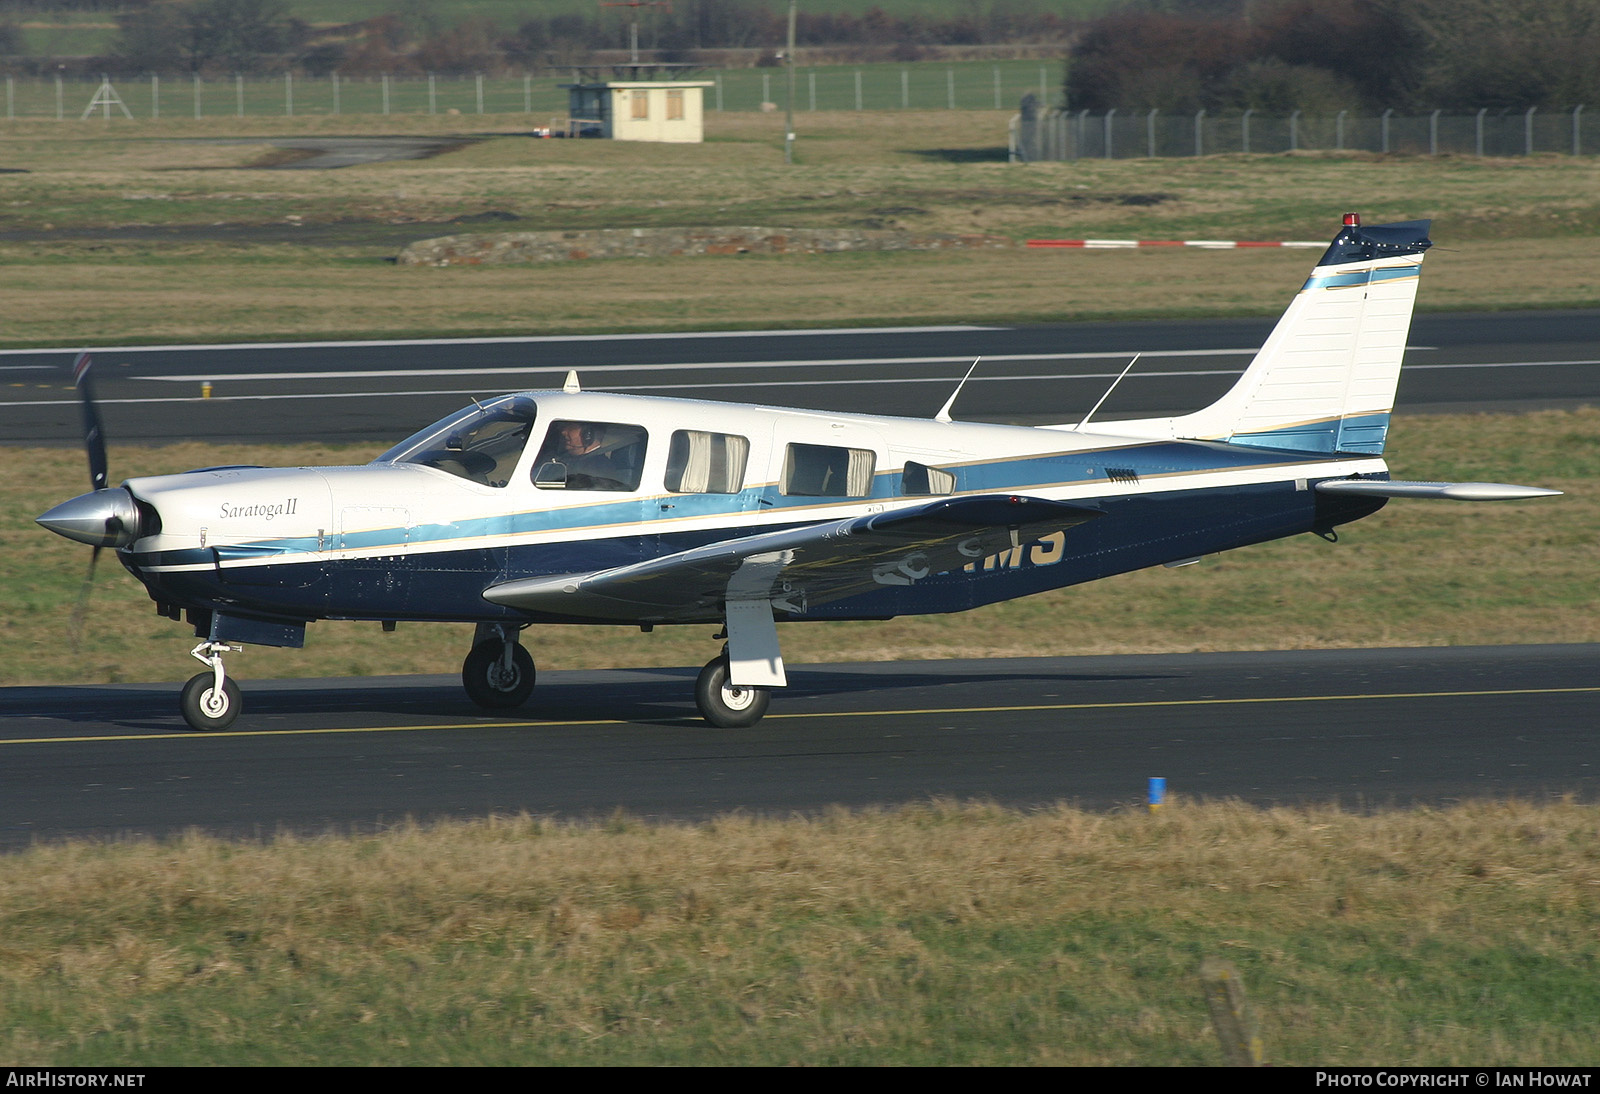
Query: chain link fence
[923, 86]
[1049, 134]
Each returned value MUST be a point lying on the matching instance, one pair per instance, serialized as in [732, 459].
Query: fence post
[950, 87]
[480, 92]
[1199, 140]
[197, 94]
[433, 101]
[1150, 131]
[288, 93]
[766, 87]
[858, 89]
[1575, 141]
[1433, 133]
[155, 96]
[1481, 112]
[60, 106]
[1244, 124]
[1109, 115]
[905, 90]
[238, 93]
[997, 87]
[385, 92]
[335, 77]
[1386, 114]
[719, 93]
[11, 100]
[1294, 131]
[527, 93]
[811, 77]
[1338, 130]
[1527, 131]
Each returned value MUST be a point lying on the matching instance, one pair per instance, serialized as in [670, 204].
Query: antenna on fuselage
[1109, 390]
[944, 411]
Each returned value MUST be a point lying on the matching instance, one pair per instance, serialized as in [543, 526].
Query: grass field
[178, 241]
[937, 934]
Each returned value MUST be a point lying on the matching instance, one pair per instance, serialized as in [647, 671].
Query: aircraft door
[816, 461]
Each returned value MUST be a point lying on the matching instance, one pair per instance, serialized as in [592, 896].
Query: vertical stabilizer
[1325, 379]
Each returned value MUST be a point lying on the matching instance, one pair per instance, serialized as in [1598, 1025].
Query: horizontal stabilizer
[1455, 491]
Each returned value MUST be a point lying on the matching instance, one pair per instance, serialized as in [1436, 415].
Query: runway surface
[1365, 728]
[376, 392]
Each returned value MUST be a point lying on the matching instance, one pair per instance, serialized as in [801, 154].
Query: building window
[675, 106]
[641, 104]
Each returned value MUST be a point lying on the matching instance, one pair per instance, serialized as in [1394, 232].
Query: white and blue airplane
[569, 506]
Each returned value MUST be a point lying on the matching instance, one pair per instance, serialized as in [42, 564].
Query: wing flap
[794, 567]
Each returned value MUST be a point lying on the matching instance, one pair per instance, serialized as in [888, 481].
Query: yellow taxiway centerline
[189, 735]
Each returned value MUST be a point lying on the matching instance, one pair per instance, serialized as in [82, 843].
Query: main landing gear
[725, 705]
[498, 674]
[211, 701]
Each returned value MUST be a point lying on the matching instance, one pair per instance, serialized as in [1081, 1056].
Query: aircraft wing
[796, 567]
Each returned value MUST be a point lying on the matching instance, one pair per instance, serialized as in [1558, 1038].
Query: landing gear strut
[498, 674]
[725, 705]
[210, 700]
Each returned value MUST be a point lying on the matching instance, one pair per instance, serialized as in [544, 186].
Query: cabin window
[675, 105]
[822, 471]
[706, 463]
[578, 455]
[919, 478]
[481, 443]
[641, 104]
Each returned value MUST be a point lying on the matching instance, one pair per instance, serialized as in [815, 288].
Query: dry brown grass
[933, 171]
[933, 934]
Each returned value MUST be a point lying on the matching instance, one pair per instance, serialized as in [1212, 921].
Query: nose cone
[105, 518]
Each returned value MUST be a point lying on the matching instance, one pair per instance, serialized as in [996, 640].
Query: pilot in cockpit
[589, 456]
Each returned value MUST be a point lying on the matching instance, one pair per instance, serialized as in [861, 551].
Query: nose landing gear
[210, 700]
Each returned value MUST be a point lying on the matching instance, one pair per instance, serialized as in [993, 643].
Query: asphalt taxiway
[1362, 728]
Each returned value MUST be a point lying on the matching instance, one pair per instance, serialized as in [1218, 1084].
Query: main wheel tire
[725, 705]
[491, 687]
[204, 708]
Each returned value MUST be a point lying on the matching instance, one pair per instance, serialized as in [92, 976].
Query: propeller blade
[82, 609]
[94, 441]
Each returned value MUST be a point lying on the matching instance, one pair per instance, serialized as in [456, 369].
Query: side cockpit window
[579, 455]
[706, 463]
[919, 478]
[481, 443]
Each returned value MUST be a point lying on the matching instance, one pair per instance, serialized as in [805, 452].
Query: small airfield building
[637, 109]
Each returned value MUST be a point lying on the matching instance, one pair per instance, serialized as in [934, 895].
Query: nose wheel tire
[491, 683]
[207, 709]
[725, 705]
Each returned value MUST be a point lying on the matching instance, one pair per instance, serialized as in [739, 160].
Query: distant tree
[1508, 53]
[1324, 55]
[228, 35]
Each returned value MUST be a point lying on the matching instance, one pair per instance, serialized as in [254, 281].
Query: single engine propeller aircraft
[571, 506]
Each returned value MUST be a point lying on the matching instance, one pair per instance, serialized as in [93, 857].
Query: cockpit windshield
[481, 443]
